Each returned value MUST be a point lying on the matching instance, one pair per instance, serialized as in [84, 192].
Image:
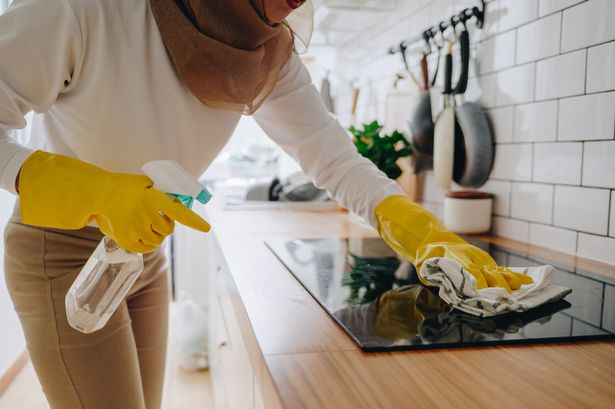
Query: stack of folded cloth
[459, 289]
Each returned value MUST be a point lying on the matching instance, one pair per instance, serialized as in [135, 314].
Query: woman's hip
[37, 254]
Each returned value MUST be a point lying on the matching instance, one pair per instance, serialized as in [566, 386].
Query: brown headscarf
[226, 51]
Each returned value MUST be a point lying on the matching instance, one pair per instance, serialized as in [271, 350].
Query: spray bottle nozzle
[188, 201]
[171, 178]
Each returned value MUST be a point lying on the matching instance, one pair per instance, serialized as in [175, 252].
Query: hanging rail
[431, 32]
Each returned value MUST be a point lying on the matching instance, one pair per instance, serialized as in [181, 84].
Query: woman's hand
[418, 235]
[61, 192]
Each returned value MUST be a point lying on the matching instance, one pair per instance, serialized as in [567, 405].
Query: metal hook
[454, 20]
[426, 38]
[402, 49]
[442, 27]
[434, 36]
[479, 14]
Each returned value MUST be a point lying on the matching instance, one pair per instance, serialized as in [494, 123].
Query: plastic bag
[191, 340]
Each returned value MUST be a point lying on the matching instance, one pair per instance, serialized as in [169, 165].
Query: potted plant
[385, 151]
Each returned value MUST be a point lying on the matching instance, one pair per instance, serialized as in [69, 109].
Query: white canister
[468, 212]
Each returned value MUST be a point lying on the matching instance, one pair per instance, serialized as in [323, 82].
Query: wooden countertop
[303, 359]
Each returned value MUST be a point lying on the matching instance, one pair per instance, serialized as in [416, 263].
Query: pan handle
[439, 47]
[464, 45]
[448, 71]
[424, 72]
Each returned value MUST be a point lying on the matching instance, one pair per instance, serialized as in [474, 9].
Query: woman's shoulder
[100, 11]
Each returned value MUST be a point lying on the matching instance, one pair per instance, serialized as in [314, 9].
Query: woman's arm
[295, 117]
[40, 53]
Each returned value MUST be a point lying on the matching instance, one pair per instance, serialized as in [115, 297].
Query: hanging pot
[475, 147]
[444, 131]
[421, 123]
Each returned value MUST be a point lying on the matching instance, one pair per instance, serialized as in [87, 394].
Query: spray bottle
[110, 272]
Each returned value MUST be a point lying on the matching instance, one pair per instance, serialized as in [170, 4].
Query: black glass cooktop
[378, 300]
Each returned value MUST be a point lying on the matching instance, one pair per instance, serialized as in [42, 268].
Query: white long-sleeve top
[105, 91]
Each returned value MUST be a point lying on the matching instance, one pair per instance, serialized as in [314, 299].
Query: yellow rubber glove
[418, 235]
[402, 310]
[61, 192]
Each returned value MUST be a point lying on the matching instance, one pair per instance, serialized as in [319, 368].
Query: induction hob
[378, 300]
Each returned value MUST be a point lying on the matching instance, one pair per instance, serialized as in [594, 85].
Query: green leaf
[382, 150]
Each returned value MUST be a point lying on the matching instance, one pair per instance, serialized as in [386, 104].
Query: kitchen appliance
[379, 302]
[297, 187]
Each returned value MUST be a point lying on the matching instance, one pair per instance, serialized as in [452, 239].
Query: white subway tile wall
[561, 76]
[599, 164]
[581, 208]
[586, 25]
[502, 123]
[495, 53]
[501, 196]
[534, 40]
[535, 122]
[544, 70]
[514, 13]
[531, 201]
[513, 162]
[558, 162]
[597, 247]
[511, 228]
[515, 85]
[482, 90]
[549, 6]
[553, 237]
[587, 117]
[600, 67]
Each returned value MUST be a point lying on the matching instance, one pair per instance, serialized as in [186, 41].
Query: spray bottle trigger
[185, 199]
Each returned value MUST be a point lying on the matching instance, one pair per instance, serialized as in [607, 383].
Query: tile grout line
[561, 31]
[552, 205]
[610, 214]
[582, 163]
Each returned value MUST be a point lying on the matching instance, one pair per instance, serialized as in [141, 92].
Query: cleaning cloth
[459, 288]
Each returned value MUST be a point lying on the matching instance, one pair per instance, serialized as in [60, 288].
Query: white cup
[468, 212]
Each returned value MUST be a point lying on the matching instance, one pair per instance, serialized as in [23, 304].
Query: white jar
[468, 212]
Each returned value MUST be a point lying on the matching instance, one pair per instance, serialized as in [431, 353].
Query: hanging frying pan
[421, 123]
[476, 145]
[444, 131]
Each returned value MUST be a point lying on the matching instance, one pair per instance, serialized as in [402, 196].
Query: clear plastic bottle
[110, 272]
[102, 284]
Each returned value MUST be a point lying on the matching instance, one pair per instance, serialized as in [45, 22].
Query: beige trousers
[119, 367]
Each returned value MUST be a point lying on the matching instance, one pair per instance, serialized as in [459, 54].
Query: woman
[117, 83]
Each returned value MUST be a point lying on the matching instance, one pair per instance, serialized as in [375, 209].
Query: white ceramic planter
[468, 212]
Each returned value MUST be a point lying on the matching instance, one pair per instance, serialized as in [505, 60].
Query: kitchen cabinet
[273, 346]
[230, 366]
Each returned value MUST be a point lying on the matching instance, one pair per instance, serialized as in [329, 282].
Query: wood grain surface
[304, 358]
